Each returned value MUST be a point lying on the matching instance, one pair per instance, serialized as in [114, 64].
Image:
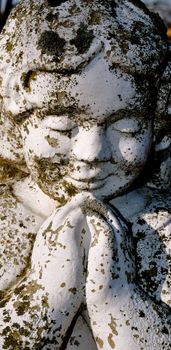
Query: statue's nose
[90, 144]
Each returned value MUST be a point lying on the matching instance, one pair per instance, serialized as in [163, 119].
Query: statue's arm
[121, 313]
[151, 230]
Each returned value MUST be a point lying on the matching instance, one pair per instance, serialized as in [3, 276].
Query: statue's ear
[11, 150]
[14, 90]
[162, 123]
[161, 177]
[12, 102]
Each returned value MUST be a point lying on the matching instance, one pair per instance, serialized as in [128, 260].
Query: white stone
[85, 222]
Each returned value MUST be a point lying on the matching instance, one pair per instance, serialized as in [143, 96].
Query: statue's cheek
[134, 149]
[44, 143]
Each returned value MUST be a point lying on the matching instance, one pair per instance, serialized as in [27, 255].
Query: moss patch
[51, 44]
[95, 18]
[83, 39]
[52, 17]
[27, 78]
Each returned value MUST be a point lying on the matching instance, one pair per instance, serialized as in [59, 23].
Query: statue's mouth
[87, 183]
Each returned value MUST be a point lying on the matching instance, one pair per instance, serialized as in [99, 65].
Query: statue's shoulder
[155, 213]
[149, 212]
[151, 229]
[18, 229]
[156, 208]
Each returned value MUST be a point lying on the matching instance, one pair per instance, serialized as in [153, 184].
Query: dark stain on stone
[95, 18]
[141, 222]
[55, 3]
[141, 313]
[83, 39]
[27, 78]
[113, 6]
[51, 44]
[52, 17]
[165, 330]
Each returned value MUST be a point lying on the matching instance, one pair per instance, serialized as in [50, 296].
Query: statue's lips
[87, 183]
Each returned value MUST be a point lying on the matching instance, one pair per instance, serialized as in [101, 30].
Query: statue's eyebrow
[31, 74]
[43, 112]
[59, 110]
[63, 72]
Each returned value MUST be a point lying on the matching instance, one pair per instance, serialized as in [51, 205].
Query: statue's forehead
[95, 93]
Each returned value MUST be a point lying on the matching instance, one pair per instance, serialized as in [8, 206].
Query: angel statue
[85, 177]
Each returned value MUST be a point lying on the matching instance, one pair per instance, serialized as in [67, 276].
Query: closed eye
[127, 126]
[63, 132]
[62, 124]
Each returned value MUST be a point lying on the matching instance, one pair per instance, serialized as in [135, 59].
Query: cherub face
[86, 132]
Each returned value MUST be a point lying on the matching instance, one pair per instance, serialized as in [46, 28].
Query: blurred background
[163, 7]
[5, 8]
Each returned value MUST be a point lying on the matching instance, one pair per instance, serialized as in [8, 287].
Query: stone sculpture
[85, 182]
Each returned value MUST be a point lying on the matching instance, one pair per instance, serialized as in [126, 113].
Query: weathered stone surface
[85, 177]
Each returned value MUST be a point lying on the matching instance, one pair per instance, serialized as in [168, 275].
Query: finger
[59, 267]
[105, 286]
